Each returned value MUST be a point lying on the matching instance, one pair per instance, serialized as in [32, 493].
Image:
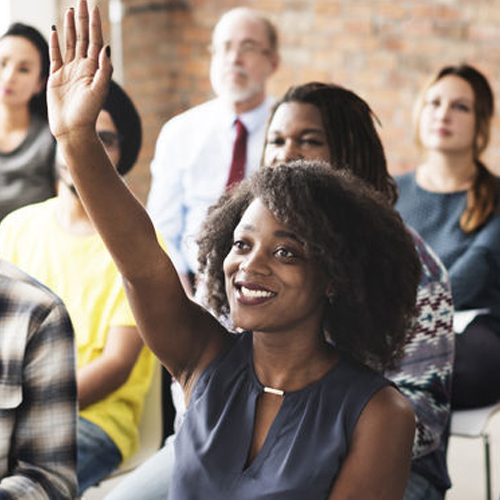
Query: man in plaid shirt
[38, 408]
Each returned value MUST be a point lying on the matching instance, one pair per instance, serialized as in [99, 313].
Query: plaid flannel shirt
[38, 398]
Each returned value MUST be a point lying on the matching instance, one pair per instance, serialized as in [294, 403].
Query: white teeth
[253, 294]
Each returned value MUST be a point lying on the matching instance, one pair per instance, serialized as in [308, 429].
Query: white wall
[39, 13]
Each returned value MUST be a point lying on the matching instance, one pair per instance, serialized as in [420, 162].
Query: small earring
[330, 296]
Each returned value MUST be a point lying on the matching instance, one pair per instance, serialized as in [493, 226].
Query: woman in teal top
[297, 255]
[452, 200]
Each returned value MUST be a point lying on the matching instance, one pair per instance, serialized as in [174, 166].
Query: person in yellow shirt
[55, 242]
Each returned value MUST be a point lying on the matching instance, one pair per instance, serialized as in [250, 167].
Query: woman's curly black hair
[352, 233]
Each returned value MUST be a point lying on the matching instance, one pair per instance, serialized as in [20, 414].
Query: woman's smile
[271, 282]
[252, 294]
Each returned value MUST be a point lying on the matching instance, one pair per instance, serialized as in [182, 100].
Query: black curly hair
[350, 231]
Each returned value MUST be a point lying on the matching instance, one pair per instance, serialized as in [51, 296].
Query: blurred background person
[56, 242]
[211, 147]
[27, 148]
[452, 200]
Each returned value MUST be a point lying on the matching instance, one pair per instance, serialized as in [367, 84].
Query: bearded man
[211, 147]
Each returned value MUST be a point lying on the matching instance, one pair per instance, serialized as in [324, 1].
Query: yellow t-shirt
[80, 270]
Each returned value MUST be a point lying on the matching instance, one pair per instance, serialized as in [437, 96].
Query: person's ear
[275, 60]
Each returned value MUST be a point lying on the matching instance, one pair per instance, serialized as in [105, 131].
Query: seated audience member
[202, 151]
[276, 411]
[56, 242]
[453, 201]
[27, 148]
[331, 123]
[38, 400]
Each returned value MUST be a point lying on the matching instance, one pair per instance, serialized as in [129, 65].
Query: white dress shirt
[190, 168]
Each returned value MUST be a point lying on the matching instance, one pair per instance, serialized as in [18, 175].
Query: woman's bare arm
[181, 334]
[377, 466]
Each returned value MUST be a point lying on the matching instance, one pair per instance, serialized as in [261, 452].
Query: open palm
[78, 83]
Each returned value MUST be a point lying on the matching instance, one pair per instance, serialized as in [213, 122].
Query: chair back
[472, 423]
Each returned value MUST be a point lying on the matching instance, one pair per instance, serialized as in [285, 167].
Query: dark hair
[482, 195]
[351, 232]
[38, 103]
[349, 123]
[128, 123]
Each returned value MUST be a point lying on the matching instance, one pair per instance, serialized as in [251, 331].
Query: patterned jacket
[424, 375]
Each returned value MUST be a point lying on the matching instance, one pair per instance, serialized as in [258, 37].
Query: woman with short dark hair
[319, 276]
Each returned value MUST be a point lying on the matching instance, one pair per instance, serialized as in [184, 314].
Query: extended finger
[95, 35]
[54, 51]
[82, 29]
[69, 35]
[104, 71]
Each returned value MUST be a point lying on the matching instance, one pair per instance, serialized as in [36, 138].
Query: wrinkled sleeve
[165, 202]
[424, 376]
[44, 440]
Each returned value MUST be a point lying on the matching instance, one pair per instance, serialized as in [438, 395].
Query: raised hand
[78, 83]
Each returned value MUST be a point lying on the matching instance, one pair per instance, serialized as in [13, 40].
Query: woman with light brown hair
[452, 201]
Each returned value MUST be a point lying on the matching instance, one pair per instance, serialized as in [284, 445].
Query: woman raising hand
[292, 407]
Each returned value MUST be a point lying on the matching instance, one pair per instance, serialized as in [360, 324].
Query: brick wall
[382, 49]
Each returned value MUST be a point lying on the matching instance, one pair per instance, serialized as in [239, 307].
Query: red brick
[384, 50]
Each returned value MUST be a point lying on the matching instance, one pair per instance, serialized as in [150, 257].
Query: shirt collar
[252, 119]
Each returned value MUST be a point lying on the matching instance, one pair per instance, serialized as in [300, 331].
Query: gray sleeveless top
[304, 449]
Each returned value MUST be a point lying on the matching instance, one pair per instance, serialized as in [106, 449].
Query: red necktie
[237, 171]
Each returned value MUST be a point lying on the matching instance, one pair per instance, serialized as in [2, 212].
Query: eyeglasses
[110, 140]
[246, 49]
